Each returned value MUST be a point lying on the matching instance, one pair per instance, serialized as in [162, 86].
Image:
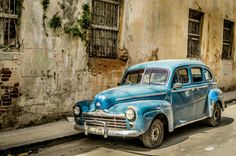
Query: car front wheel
[153, 137]
[215, 120]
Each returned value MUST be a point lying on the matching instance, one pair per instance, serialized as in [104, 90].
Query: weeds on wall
[55, 22]
[81, 27]
[45, 4]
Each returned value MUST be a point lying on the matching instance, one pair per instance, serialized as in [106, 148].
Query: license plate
[96, 130]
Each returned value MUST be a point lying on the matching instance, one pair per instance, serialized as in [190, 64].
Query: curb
[230, 102]
[30, 148]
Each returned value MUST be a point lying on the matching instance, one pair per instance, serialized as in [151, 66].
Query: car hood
[128, 93]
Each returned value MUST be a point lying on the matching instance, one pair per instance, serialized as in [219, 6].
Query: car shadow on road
[181, 134]
[135, 146]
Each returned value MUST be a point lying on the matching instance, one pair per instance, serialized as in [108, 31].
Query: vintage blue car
[153, 97]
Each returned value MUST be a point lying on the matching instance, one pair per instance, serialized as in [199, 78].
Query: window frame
[202, 75]
[7, 18]
[105, 45]
[230, 41]
[189, 76]
[212, 76]
[196, 37]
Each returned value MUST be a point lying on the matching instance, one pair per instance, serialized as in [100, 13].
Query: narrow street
[194, 139]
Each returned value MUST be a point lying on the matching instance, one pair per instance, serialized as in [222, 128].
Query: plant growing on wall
[45, 4]
[81, 27]
[55, 22]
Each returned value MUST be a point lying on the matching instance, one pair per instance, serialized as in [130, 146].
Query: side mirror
[177, 85]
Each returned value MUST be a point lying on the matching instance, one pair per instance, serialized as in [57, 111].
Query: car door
[200, 91]
[182, 97]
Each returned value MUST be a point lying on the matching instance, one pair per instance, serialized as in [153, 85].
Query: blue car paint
[152, 100]
[214, 96]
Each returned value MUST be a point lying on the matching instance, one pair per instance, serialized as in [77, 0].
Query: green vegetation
[81, 27]
[74, 31]
[55, 22]
[45, 4]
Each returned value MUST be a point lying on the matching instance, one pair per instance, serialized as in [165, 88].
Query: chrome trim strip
[186, 89]
[141, 96]
[191, 122]
[201, 87]
[182, 90]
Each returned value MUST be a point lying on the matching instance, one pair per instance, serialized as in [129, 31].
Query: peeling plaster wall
[160, 28]
[52, 70]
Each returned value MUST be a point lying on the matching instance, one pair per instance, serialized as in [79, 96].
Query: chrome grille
[111, 121]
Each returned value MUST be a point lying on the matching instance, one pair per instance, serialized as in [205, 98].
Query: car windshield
[156, 76]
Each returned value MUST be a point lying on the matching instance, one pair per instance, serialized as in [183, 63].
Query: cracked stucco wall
[159, 28]
[52, 70]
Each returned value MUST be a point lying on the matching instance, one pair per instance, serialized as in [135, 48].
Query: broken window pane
[103, 42]
[227, 40]
[194, 33]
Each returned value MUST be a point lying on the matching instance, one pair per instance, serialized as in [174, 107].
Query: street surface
[194, 139]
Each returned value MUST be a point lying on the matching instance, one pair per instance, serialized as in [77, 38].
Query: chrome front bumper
[105, 131]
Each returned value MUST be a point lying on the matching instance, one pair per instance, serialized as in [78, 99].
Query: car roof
[170, 63]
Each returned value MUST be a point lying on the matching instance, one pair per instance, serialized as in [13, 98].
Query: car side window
[197, 74]
[181, 76]
[208, 75]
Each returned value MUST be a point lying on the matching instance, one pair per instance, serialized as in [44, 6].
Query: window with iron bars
[105, 26]
[227, 40]
[194, 33]
[8, 25]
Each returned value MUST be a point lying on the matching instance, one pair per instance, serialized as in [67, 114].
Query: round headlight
[77, 110]
[130, 114]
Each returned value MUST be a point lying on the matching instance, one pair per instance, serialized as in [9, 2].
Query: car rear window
[208, 75]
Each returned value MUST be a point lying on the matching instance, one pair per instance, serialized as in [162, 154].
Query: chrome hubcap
[155, 133]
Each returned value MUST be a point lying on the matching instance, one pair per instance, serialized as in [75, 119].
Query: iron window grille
[8, 25]
[105, 26]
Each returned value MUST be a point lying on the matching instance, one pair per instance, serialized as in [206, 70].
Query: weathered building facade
[51, 55]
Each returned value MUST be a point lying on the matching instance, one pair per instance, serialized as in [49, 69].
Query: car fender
[215, 95]
[167, 112]
[146, 111]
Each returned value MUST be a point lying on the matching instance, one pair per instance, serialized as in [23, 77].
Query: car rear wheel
[153, 137]
[215, 120]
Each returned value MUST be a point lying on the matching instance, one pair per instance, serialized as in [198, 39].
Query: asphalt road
[194, 139]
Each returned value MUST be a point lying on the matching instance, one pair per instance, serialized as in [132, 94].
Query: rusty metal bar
[2, 15]
[111, 1]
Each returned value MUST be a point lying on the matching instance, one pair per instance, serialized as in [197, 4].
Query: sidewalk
[230, 96]
[37, 134]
